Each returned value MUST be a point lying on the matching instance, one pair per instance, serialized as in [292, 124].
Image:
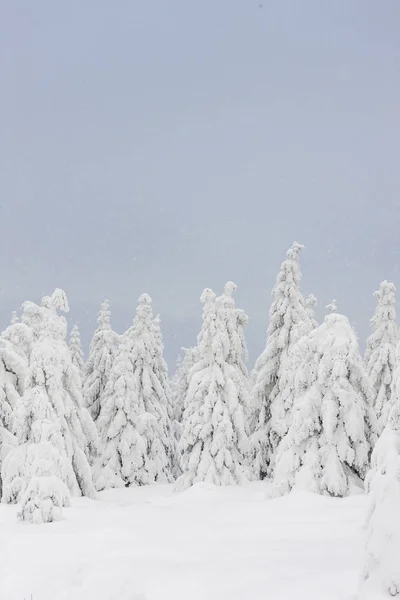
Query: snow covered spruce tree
[381, 576]
[380, 355]
[179, 386]
[54, 432]
[333, 427]
[75, 348]
[15, 348]
[138, 444]
[289, 320]
[234, 321]
[167, 383]
[214, 442]
[102, 351]
[13, 373]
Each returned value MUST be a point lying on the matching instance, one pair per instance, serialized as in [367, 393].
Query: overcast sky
[169, 145]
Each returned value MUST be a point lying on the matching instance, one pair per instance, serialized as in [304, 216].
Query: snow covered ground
[204, 544]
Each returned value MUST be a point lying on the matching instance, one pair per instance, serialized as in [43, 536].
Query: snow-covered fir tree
[75, 348]
[13, 374]
[380, 354]
[333, 427]
[234, 321]
[179, 386]
[165, 377]
[55, 433]
[381, 576]
[15, 347]
[214, 441]
[102, 351]
[180, 382]
[138, 444]
[272, 382]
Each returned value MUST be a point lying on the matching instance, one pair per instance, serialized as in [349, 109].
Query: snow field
[207, 543]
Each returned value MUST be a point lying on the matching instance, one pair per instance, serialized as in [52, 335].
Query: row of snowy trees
[307, 417]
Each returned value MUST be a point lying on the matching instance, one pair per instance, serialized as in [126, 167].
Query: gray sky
[169, 145]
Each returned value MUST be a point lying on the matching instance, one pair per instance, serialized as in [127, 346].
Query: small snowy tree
[54, 432]
[333, 426]
[311, 302]
[380, 355]
[75, 348]
[138, 445]
[102, 351]
[289, 320]
[214, 442]
[332, 307]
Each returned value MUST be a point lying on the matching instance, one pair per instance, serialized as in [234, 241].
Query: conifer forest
[193, 404]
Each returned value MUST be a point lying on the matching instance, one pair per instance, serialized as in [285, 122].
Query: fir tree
[380, 355]
[165, 378]
[101, 355]
[214, 442]
[333, 427]
[233, 321]
[55, 434]
[180, 382]
[289, 320]
[138, 446]
[13, 373]
[75, 348]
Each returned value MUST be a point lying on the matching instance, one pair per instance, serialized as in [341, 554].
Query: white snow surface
[207, 543]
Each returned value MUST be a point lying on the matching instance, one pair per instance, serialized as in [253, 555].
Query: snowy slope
[204, 544]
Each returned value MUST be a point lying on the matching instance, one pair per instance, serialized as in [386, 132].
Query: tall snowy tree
[380, 354]
[75, 348]
[54, 432]
[214, 442]
[233, 322]
[333, 427]
[289, 320]
[102, 351]
[138, 445]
